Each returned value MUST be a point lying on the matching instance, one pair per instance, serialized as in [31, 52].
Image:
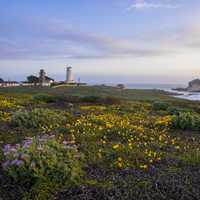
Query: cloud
[54, 40]
[142, 4]
[186, 37]
[190, 37]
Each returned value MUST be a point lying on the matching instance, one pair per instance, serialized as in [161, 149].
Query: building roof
[48, 78]
[10, 82]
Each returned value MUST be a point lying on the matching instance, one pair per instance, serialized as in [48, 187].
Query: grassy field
[97, 142]
[128, 94]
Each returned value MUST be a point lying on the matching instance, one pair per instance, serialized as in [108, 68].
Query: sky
[105, 41]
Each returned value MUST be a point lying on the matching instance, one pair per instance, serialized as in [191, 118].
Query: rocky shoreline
[193, 86]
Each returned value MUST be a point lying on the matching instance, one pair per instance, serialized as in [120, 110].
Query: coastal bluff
[193, 86]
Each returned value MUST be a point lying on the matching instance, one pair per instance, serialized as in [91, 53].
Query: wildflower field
[98, 143]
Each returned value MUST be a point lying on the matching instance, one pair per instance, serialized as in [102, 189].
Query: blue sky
[135, 41]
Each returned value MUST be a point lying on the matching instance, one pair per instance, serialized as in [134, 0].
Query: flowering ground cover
[52, 148]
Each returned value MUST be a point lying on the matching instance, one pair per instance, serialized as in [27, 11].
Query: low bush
[43, 119]
[44, 164]
[90, 99]
[100, 100]
[172, 110]
[186, 120]
[159, 105]
[46, 98]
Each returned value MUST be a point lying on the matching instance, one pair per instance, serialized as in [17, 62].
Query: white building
[9, 84]
[69, 75]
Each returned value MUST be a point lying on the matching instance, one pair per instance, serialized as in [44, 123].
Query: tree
[1, 80]
[33, 79]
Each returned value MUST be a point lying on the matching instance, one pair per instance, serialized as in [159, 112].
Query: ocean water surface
[193, 96]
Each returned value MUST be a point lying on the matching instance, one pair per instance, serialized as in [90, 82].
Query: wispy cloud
[190, 37]
[142, 4]
[55, 40]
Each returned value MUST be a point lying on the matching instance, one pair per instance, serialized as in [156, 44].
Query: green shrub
[172, 110]
[43, 98]
[186, 120]
[101, 100]
[159, 105]
[90, 99]
[46, 98]
[44, 164]
[43, 119]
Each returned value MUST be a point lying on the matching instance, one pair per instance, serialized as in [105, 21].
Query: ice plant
[43, 160]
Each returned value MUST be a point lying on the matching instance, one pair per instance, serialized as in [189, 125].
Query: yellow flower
[119, 164]
[109, 125]
[158, 158]
[119, 159]
[116, 146]
[177, 147]
[103, 141]
[100, 128]
[144, 166]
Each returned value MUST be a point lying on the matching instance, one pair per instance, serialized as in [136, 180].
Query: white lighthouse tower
[69, 75]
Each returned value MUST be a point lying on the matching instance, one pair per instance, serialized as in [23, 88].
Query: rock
[194, 85]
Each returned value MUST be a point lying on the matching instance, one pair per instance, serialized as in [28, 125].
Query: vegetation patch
[44, 164]
[186, 121]
[38, 118]
[100, 143]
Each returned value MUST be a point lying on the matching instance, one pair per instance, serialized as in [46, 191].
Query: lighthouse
[69, 75]
[42, 75]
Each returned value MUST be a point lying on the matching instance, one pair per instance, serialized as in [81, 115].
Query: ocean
[193, 96]
[154, 86]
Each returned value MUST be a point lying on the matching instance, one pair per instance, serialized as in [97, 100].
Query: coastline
[193, 96]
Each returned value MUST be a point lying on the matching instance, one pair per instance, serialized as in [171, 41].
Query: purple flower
[23, 156]
[27, 143]
[17, 146]
[6, 164]
[6, 147]
[13, 162]
[16, 162]
[19, 162]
